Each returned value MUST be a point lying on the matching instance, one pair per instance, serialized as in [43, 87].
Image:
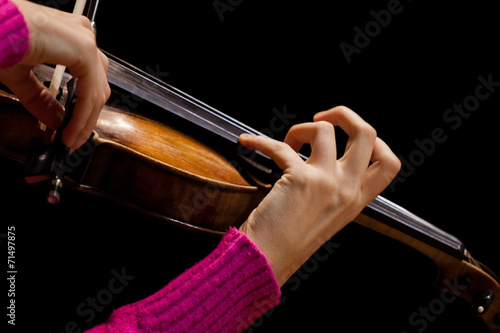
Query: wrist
[282, 266]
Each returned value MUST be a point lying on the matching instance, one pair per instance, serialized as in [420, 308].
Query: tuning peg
[482, 302]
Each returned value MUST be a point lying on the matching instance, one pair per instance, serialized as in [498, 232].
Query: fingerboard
[396, 217]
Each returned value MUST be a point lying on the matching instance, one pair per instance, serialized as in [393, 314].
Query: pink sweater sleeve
[14, 34]
[225, 292]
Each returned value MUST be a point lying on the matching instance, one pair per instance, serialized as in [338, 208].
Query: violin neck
[392, 220]
[174, 101]
[447, 252]
[459, 273]
[381, 215]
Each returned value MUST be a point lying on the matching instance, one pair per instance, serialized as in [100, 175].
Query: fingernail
[244, 140]
[245, 136]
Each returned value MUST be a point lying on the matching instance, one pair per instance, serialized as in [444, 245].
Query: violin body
[144, 164]
[167, 173]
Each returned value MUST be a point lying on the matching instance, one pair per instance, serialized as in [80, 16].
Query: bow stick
[55, 83]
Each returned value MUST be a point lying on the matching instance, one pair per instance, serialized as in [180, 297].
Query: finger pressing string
[385, 166]
[321, 137]
[361, 136]
[281, 153]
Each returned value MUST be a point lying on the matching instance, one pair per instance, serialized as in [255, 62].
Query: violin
[133, 157]
[161, 151]
[167, 154]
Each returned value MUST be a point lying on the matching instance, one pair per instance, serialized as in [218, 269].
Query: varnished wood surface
[17, 127]
[149, 166]
[166, 145]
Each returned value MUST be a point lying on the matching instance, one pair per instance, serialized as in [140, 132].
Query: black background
[262, 56]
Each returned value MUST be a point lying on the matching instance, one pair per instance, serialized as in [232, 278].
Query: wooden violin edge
[139, 181]
[461, 277]
[183, 173]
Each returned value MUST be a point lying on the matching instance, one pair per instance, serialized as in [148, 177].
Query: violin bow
[57, 77]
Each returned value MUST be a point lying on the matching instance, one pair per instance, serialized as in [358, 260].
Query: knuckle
[324, 126]
[302, 180]
[367, 130]
[295, 128]
[86, 45]
[393, 165]
[278, 146]
[342, 109]
[320, 182]
[105, 61]
[106, 92]
[347, 196]
[89, 42]
[266, 144]
[390, 166]
[83, 21]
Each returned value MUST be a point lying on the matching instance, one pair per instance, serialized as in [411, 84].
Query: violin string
[430, 232]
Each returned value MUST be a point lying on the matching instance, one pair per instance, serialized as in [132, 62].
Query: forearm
[225, 292]
[14, 41]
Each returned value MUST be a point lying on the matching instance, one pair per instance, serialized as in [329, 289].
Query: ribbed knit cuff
[14, 41]
[225, 292]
